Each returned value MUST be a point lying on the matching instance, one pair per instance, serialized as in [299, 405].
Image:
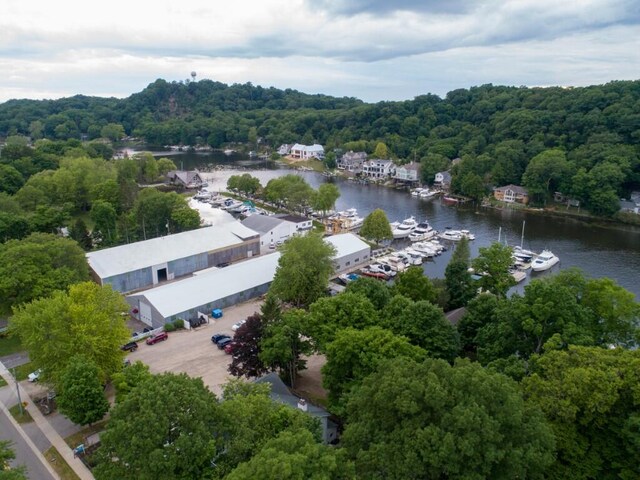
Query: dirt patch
[309, 383]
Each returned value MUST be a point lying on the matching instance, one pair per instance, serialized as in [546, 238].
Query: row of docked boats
[423, 193]
[389, 265]
[417, 232]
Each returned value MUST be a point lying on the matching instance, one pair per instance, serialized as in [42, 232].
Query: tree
[459, 284]
[6, 454]
[38, 265]
[330, 162]
[87, 319]
[177, 424]
[589, 396]
[493, 266]
[254, 419]
[325, 198]
[354, 354]
[471, 185]
[381, 151]
[246, 353]
[413, 284]
[295, 456]
[330, 314]
[432, 164]
[11, 180]
[376, 227]
[545, 173]
[104, 217]
[303, 270]
[284, 343]
[425, 325]
[80, 234]
[128, 378]
[112, 131]
[81, 396]
[376, 291]
[165, 165]
[433, 420]
[479, 312]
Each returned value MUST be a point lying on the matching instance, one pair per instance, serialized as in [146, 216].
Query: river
[600, 251]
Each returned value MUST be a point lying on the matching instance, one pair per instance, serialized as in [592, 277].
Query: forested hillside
[582, 141]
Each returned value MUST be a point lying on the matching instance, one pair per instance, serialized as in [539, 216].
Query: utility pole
[17, 390]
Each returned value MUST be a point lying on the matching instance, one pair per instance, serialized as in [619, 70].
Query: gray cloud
[381, 7]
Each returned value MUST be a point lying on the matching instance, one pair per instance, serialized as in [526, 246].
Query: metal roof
[281, 393]
[262, 223]
[207, 287]
[346, 244]
[156, 251]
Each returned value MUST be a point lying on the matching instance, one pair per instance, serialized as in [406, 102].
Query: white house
[377, 168]
[307, 151]
[408, 173]
[275, 230]
[284, 149]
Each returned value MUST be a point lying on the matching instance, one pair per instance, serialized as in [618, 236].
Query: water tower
[193, 76]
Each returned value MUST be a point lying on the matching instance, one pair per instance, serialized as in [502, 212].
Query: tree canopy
[376, 226]
[81, 397]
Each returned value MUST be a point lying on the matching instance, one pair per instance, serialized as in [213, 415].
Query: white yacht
[544, 261]
[426, 193]
[457, 235]
[416, 192]
[404, 229]
[423, 231]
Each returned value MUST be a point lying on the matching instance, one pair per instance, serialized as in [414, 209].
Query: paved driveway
[192, 352]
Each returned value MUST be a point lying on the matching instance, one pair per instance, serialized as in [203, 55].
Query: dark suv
[158, 337]
[217, 337]
[224, 342]
[129, 347]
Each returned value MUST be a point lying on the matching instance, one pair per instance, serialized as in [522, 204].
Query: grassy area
[10, 344]
[2, 382]
[23, 371]
[59, 464]
[313, 164]
[25, 417]
[77, 438]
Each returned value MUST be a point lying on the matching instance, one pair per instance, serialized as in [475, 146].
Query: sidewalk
[45, 427]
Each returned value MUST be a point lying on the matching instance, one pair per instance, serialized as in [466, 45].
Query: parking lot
[192, 352]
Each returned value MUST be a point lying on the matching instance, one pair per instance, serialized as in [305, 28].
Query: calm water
[599, 251]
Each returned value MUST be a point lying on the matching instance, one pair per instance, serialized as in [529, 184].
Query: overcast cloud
[370, 49]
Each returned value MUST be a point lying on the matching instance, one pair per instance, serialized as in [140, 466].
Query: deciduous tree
[376, 227]
[246, 352]
[493, 266]
[413, 284]
[6, 454]
[81, 395]
[376, 291]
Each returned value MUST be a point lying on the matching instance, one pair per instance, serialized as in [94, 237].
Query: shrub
[169, 327]
[178, 324]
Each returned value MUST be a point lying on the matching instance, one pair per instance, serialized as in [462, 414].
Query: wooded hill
[497, 130]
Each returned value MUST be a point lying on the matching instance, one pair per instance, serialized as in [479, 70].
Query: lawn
[10, 344]
[59, 464]
[22, 372]
[77, 438]
[25, 417]
[2, 382]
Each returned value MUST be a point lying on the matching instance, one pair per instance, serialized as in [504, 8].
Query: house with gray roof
[408, 173]
[281, 393]
[186, 179]
[274, 230]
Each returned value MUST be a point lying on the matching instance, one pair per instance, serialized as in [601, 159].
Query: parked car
[129, 347]
[34, 376]
[215, 338]
[230, 347]
[224, 342]
[237, 325]
[158, 337]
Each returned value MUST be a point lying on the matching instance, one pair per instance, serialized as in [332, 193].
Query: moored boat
[423, 231]
[544, 261]
[404, 229]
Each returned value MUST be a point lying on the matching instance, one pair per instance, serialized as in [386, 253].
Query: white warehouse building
[223, 287]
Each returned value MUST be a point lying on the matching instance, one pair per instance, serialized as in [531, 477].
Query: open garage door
[145, 313]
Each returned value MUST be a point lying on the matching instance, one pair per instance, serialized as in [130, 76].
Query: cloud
[381, 7]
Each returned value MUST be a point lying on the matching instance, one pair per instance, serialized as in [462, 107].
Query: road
[24, 453]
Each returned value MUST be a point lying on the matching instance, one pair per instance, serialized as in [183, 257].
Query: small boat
[410, 257]
[544, 261]
[423, 231]
[228, 152]
[374, 274]
[347, 278]
[230, 204]
[404, 229]
[456, 235]
[426, 194]
[382, 268]
[417, 191]
[447, 200]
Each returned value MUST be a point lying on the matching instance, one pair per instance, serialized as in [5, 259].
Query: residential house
[284, 149]
[379, 169]
[300, 224]
[306, 152]
[274, 230]
[186, 179]
[280, 393]
[352, 161]
[511, 194]
[408, 173]
[442, 180]
[630, 206]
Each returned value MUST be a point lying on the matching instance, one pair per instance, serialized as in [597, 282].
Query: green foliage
[6, 454]
[87, 319]
[80, 234]
[479, 312]
[128, 378]
[178, 324]
[413, 284]
[295, 456]
[432, 164]
[81, 396]
[376, 226]
[432, 420]
[291, 191]
[11, 180]
[590, 397]
[376, 291]
[354, 354]
[112, 131]
[325, 198]
[38, 265]
[303, 270]
[381, 151]
[244, 183]
[493, 265]
[158, 214]
[330, 314]
[169, 327]
[459, 284]
[169, 426]
[546, 173]
[252, 420]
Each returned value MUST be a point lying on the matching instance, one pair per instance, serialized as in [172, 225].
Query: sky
[370, 49]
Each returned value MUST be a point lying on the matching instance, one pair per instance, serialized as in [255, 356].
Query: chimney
[302, 404]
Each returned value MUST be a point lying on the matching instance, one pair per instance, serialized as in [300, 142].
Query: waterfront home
[379, 169]
[352, 161]
[186, 179]
[284, 149]
[305, 152]
[511, 194]
[408, 173]
[274, 230]
[442, 180]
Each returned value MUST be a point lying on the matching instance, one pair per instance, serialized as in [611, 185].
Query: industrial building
[143, 264]
[274, 230]
[223, 287]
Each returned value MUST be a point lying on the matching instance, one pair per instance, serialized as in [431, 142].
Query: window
[357, 260]
[347, 264]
